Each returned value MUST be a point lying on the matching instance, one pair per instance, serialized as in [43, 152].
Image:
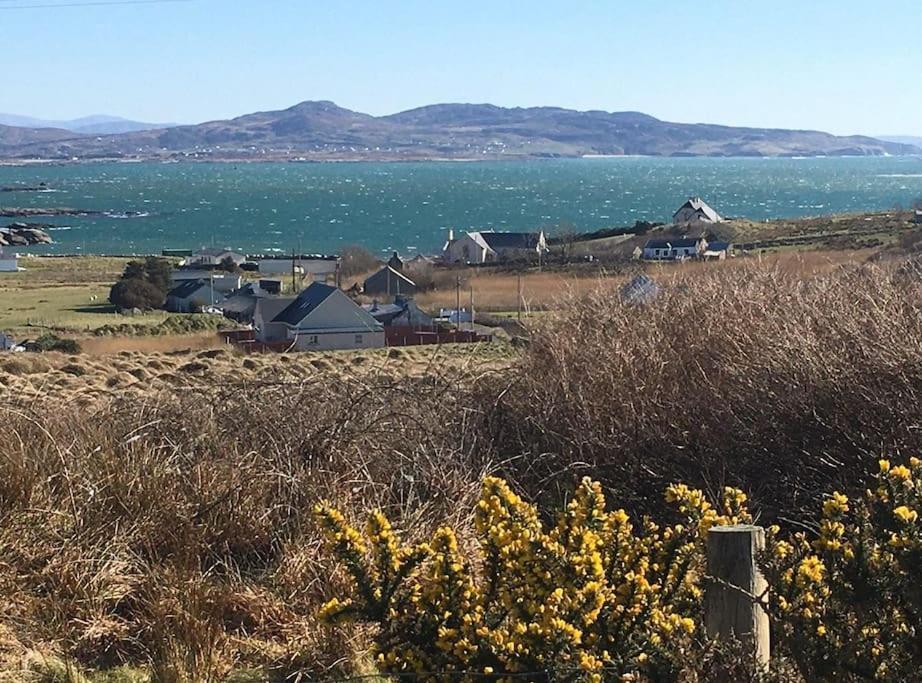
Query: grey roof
[511, 240]
[718, 246]
[701, 206]
[304, 304]
[678, 243]
[215, 251]
[186, 288]
[378, 282]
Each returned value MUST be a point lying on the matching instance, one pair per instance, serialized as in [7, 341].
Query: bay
[409, 207]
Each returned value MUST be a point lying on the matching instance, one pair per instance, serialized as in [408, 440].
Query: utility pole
[519, 300]
[458, 303]
[294, 288]
[472, 308]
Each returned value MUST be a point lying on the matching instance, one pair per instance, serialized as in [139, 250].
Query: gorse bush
[847, 600]
[590, 597]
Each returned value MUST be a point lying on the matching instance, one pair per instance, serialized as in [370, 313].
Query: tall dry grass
[753, 376]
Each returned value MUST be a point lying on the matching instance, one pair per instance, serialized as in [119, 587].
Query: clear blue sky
[845, 66]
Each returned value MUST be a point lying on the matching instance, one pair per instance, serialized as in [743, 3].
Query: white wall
[8, 264]
[329, 341]
[465, 249]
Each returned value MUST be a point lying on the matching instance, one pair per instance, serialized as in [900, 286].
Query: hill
[325, 131]
[98, 124]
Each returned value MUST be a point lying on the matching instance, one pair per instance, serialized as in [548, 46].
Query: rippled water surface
[410, 206]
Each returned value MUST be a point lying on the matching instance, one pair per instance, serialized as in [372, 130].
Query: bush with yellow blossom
[847, 599]
[590, 598]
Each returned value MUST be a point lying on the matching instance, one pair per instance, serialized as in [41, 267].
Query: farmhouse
[323, 317]
[9, 262]
[673, 249]
[388, 282]
[192, 295]
[488, 246]
[214, 256]
[695, 211]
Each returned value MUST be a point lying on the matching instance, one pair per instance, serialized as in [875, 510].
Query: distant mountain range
[324, 131]
[915, 140]
[98, 124]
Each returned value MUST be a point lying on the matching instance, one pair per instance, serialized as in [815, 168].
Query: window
[312, 339]
[358, 339]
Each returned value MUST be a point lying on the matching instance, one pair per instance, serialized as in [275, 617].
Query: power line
[93, 3]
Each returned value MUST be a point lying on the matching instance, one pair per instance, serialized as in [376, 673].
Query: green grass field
[65, 294]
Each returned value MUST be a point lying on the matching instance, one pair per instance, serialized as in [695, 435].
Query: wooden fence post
[735, 586]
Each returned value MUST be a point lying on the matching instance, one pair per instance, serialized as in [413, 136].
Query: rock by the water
[24, 235]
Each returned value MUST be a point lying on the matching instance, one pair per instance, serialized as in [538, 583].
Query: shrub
[847, 601]
[589, 598]
[52, 342]
[135, 293]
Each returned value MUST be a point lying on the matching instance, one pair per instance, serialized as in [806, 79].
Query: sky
[844, 66]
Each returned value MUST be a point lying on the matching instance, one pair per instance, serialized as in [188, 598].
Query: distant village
[297, 302]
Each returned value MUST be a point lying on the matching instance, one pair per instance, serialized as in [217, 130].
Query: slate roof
[678, 243]
[270, 307]
[718, 246]
[511, 240]
[186, 288]
[702, 207]
[304, 304]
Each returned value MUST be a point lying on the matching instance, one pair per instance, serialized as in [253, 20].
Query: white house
[695, 211]
[9, 262]
[323, 318]
[488, 246]
[190, 295]
[214, 256]
[674, 249]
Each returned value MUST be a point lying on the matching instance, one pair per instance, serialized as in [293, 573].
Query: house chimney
[451, 234]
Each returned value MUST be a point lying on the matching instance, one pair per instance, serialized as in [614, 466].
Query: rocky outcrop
[24, 235]
[14, 212]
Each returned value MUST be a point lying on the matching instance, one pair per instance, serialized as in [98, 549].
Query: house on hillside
[402, 313]
[192, 295]
[694, 212]
[488, 247]
[9, 262]
[388, 282]
[323, 318]
[214, 256]
[673, 248]
[917, 216]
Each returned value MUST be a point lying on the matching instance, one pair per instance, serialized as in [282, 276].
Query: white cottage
[674, 249]
[695, 211]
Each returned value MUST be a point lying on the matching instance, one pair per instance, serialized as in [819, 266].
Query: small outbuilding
[402, 313]
[917, 216]
[9, 262]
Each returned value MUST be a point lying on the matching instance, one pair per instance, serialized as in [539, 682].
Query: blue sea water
[411, 206]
